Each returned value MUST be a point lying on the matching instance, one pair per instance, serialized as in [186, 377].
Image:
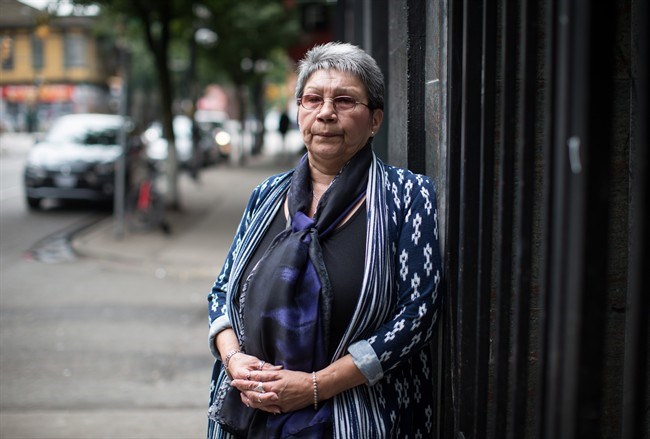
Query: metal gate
[546, 330]
[532, 119]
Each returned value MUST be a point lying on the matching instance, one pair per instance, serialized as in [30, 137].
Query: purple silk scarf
[286, 300]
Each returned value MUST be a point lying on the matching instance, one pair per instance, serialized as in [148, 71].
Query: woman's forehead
[335, 79]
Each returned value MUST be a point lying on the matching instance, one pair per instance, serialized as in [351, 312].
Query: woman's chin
[328, 146]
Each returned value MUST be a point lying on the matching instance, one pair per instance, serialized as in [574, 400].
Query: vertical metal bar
[503, 248]
[635, 384]
[526, 146]
[121, 164]
[416, 130]
[450, 364]
[546, 244]
[583, 147]
[556, 290]
[379, 33]
[572, 284]
[599, 36]
[469, 203]
[485, 232]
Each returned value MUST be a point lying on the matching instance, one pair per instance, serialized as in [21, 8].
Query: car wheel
[34, 203]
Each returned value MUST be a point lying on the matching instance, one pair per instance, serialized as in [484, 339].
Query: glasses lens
[344, 103]
[311, 102]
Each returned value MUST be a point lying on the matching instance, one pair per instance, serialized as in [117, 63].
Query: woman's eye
[345, 100]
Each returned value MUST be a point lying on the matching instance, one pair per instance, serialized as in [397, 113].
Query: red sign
[48, 93]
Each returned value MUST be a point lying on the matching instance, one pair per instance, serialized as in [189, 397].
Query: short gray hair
[348, 58]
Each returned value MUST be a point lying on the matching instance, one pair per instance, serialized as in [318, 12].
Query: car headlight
[222, 138]
[35, 172]
[104, 168]
[91, 177]
[157, 150]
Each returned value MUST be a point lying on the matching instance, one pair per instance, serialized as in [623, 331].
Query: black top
[344, 256]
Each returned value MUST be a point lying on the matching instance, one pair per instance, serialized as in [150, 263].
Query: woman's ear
[376, 120]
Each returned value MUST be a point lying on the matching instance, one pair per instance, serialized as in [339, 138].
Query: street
[90, 348]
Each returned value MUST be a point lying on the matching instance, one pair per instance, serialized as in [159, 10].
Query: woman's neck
[320, 182]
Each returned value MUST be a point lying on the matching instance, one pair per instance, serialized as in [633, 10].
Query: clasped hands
[269, 388]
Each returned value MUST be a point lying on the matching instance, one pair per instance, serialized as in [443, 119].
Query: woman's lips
[326, 134]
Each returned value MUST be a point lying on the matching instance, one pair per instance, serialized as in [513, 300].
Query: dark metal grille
[530, 339]
[541, 171]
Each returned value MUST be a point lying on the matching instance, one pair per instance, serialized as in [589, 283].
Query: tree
[250, 32]
[159, 21]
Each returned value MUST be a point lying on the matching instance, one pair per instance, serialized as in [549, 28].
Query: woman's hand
[242, 365]
[276, 391]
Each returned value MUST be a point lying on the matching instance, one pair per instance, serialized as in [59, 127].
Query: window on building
[75, 50]
[7, 52]
[38, 59]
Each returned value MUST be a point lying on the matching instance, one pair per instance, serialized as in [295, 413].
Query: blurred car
[75, 160]
[212, 142]
[215, 124]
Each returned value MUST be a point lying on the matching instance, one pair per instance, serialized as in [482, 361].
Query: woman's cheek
[306, 133]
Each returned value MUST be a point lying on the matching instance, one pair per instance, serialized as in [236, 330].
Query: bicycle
[145, 206]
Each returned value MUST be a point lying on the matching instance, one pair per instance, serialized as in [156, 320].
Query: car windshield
[91, 132]
[182, 128]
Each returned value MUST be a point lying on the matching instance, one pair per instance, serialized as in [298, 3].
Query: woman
[321, 316]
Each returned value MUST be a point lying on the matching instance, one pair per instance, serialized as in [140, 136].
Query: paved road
[91, 348]
[111, 344]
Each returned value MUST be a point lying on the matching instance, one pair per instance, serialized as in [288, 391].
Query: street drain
[57, 247]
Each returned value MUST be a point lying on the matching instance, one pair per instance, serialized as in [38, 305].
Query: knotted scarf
[286, 300]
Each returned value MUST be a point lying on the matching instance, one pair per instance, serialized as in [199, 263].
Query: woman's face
[330, 136]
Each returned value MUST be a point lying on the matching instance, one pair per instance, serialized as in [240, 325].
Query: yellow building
[50, 65]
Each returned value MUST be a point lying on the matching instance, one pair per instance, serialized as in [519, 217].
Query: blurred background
[131, 135]
[224, 66]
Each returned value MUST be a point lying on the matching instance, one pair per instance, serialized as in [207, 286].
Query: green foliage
[248, 29]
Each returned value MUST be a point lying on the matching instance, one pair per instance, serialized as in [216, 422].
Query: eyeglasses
[342, 104]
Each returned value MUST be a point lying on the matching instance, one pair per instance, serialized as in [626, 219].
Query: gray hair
[348, 58]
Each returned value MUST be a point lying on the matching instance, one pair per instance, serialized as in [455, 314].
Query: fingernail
[275, 398]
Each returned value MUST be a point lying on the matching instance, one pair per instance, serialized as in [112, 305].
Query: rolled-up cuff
[218, 325]
[365, 358]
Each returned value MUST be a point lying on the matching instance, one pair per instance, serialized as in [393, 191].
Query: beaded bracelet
[230, 354]
[315, 383]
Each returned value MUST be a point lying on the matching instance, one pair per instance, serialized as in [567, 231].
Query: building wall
[32, 96]
[54, 69]
[526, 115]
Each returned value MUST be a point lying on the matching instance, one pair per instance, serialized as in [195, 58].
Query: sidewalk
[202, 231]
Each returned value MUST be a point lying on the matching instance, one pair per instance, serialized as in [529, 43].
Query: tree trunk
[166, 92]
[258, 110]
[159, 47]
[243, 109]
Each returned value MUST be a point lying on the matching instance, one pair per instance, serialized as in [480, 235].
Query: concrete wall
[408, 40]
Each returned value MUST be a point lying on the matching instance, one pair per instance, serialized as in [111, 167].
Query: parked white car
[213, 143]
[75, 160]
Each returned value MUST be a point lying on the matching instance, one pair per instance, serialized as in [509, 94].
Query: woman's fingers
[283, 390]
[261, 401]
[242, 366]
[252, 378]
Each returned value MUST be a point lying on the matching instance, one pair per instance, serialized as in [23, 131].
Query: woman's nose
[327, 110]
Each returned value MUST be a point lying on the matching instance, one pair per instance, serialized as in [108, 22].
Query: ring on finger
[261, 365]
[259, 388]
[259, 399]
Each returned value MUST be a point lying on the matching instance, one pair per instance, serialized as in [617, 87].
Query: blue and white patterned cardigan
[396, 313]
